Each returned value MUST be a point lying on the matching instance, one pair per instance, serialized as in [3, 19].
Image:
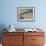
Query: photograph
[26, 14]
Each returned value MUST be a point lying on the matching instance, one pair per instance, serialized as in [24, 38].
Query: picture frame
[26, 14]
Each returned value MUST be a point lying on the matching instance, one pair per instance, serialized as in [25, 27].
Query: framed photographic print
[26, 14]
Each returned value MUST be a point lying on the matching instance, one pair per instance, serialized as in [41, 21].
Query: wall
[9, 13]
